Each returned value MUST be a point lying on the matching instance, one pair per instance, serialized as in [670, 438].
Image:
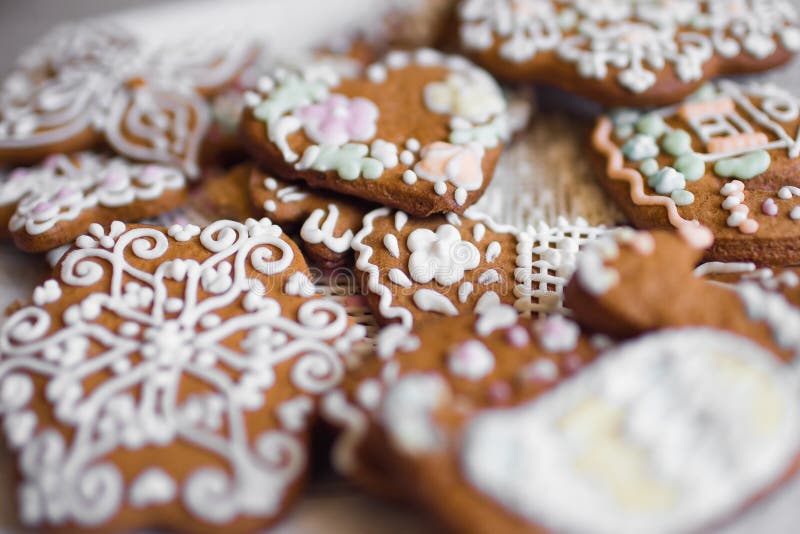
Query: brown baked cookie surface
[629, 283]
[50, 205]
[722, 165]
[497, 423]
[167, 378]
[420, 131]
[622, 53]
[414, 269]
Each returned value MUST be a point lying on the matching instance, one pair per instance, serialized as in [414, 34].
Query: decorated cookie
[449, 265]
[633, 282]
[50, 205]
[420, 131]
[225, 194]
[326, 222]
[167, 378]
[721, 166]
[626, 53]
[78, 98]
[501, 424]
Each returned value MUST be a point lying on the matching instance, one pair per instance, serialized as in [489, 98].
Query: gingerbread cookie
[720, 165]
[420, 131]
[623, 53]
[633, 282]
[225, 194]
[449, 265]
[325, 221]
[499, 424]
[50, 205]
[167, 378]
[86, 98]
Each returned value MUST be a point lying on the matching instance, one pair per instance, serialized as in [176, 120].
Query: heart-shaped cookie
[420, 131]
[722, 166]
[625, 53]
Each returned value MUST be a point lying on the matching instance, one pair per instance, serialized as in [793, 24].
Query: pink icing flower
[340, 120]
[460, 165]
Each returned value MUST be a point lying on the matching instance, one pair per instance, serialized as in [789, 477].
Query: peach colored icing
[693, 232]
[735, 143]
[690, 110]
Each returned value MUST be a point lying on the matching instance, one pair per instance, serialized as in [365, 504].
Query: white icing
[406, 412]
[645, 440]
[495, 317]
[429, 300]
[471, 360]
[442, 255]
[315, 231]
[139, 405]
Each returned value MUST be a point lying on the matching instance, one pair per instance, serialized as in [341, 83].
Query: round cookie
[623, 53]
[52, 204]
[502, 424]
[414, 269]
[722, 165]
[420, 131]
[629, 283]
[167, 378]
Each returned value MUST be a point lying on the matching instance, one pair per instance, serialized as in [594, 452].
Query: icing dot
[769, 207]
[748, 226]
[409, 177]
[413, 145]
[471, 360]
[682, 197]
[376, 73]
[649, 167]
[677, 142]
[499, 392]
[440, 188]
[784, 193]
[271, 184]
[543, 370]
[460, 196]
[651, 124]
[666, 180]
[406, 158]
[518, 337]
[743, 167]
[640, 147]
[795, 213]
[691, 166]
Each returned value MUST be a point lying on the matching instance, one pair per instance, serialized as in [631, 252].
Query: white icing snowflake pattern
[186, 348]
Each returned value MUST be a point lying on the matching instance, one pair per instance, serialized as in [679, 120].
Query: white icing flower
[474, 96]
[442, 256]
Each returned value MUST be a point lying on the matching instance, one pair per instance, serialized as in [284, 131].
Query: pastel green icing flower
[691, 166]
[290, 94]
[666, 180]
[349, 161]
[640, 147]
[677, 142]
[743, 167]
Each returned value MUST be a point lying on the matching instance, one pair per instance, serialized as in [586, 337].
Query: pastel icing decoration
[52, 204]
[419, 131]
[621, 54]
[726, 155]
[743, 167]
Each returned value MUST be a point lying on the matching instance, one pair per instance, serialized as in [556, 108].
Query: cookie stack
[178, 368]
